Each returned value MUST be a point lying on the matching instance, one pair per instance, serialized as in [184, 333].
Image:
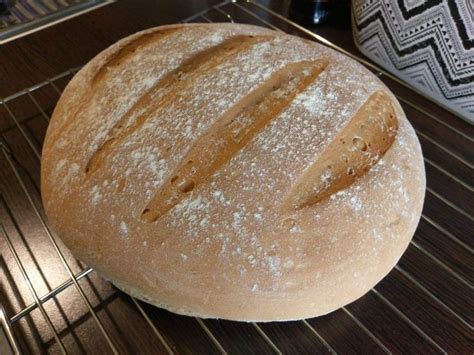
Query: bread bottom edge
[189, 313]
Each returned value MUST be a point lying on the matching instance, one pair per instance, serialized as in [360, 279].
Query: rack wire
[252, 9]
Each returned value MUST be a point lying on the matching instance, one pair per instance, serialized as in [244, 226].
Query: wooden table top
[425, 305]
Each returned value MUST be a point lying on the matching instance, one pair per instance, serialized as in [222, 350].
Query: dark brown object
[421, 290]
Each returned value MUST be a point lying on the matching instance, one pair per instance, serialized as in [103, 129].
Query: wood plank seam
[152, 326]
[325, 343]
[367, 331]
[412, 279]
[447, 233]
[454, 155]
[449, 203]
[211, 336]
[267, 338]
[442, 264]
[408, 321]
[433, 117]
[436, 166]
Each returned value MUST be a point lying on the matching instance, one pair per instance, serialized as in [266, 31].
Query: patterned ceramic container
[427, 43]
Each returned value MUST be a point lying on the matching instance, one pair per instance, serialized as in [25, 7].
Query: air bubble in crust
[366, 168]
[121, 184]
[359, 143]
[288, 223]
[186, 186]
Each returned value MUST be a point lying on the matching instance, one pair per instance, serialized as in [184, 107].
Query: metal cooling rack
[254, 11]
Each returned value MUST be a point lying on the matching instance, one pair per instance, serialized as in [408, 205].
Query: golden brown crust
[230, 171]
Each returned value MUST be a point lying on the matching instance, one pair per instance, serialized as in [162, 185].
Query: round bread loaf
[230, 171]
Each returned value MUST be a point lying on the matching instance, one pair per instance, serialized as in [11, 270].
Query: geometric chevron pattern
[427, 43]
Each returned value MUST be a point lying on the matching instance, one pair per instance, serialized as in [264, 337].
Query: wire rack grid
[252, 10]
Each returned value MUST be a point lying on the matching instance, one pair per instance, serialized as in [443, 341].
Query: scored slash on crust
[233, 131]
[168, 90]
[360, 145]
[115, 59]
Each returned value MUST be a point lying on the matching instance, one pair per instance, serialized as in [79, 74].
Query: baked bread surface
[230, 171]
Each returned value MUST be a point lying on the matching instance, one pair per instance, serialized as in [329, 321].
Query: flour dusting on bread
[196, 166]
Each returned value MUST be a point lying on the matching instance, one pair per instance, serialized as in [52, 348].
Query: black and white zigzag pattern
[428, 43]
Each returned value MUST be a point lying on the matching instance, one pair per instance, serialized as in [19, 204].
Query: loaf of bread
[230, 171]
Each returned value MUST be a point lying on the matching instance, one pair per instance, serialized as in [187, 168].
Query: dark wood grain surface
[425, 305]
